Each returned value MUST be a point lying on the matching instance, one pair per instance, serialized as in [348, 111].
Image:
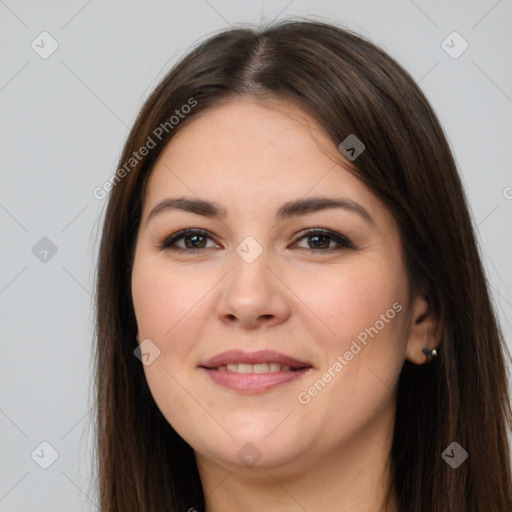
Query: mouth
[256, 368]
[254, 372]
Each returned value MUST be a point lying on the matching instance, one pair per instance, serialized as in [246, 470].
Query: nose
[254, 294]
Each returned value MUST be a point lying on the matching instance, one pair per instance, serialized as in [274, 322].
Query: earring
[430, 353]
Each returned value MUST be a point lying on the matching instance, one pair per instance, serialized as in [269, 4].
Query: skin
[295, 298]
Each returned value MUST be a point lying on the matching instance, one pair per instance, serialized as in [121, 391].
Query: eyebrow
[290, 209]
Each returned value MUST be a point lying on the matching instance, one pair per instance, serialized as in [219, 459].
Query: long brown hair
[351, 87]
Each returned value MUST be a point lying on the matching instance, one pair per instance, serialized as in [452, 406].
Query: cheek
[162, 298]
[364, 310]
[350, 299]
[363, 356]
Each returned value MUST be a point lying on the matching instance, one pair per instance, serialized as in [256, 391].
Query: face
[276, 332]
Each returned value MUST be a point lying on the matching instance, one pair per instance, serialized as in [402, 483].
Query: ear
[425, 331]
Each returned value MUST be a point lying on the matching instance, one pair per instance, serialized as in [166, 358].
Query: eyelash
[342, 241]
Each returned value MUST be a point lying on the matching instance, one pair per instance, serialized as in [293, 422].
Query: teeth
[255, 368]
[260, 368]
[245, 368]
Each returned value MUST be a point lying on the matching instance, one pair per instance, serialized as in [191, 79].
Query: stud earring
[430, 353]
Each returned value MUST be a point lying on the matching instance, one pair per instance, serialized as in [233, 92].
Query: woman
[291, 308]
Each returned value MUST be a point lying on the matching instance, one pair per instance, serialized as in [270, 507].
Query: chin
[253, 450]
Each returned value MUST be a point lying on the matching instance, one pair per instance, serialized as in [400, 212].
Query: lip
[253, 382]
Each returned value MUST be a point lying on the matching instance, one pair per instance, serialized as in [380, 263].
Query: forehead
[251, 156]
[245, 134]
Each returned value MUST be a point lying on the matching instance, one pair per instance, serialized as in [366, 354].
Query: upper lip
[261, 356]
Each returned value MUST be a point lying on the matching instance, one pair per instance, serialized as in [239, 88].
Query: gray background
[63, 122]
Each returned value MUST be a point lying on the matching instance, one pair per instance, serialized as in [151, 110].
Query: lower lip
[253, 382]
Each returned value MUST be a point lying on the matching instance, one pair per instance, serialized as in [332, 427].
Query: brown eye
[193, 240]
[322, 240]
